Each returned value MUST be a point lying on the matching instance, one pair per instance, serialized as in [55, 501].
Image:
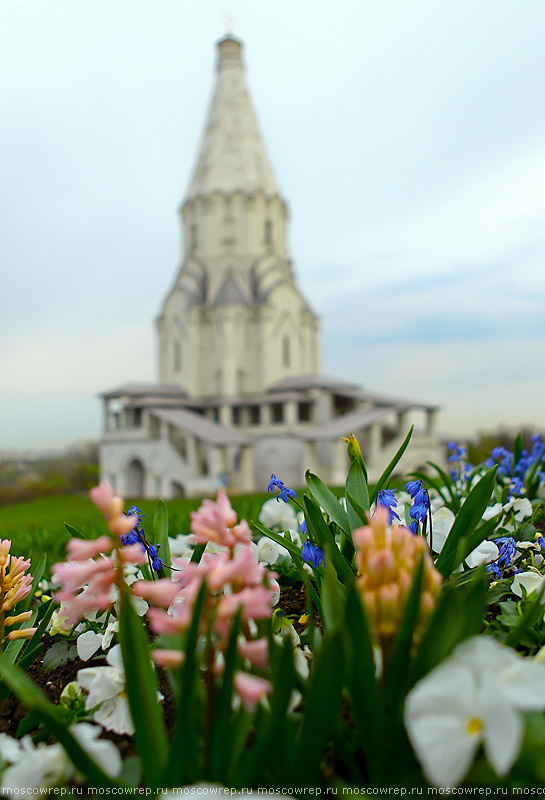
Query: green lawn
[37, 526]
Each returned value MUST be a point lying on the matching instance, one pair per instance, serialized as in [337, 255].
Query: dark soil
[52, 681]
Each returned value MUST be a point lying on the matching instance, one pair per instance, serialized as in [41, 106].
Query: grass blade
[391, 466]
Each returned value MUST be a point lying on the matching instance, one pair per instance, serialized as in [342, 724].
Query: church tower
[234, 322]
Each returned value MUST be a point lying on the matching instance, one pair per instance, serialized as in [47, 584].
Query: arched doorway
[177, 489]
[135, 478]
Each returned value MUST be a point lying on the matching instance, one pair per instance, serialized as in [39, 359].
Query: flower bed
[381, 640]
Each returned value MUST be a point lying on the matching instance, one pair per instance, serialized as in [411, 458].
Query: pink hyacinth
[216, 522]
[251, 689]
[256, 652]
[82, 550]
[168, 658]
[95, 580]
[111, 506]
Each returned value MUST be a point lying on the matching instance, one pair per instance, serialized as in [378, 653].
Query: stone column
[339, 462]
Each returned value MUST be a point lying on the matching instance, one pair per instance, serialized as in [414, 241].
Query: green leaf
[74, 531]
[37, 575]
[391, 466]
[183, 755]
[327, 500]
[292, 548]
[321, 707]
[197, 553]
[467, 519]
[457, 616]
[35, 701]
[362, 685]
[532, 612]
[318, 528]
[141, 686]
[160, 524]
[396, 672]
[356, 486]
[221, 733]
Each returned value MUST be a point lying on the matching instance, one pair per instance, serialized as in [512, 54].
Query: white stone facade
[240, 395]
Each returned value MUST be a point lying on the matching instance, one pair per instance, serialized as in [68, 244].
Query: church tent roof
[199, 426]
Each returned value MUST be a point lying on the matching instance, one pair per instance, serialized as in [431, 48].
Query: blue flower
[516, 487]
[508, 550]
[541, 542]
[419, 511]
[413, 526]
[153, 552]
[274, 483]
[132, 537]
[285, 494]
[312, 554]
[303, 526]
[493, 567]
[386, 499]
[413, 487]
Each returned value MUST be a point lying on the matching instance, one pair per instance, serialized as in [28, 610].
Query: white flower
[529, 581]
[483, 554]
[278, 516]
[522, 508]
[475, 696]
[104, 752]
[45, 765]
[88, 643]
[492, 511]
[269, 552]
[106, 686]
[442, 522]
[180, 547]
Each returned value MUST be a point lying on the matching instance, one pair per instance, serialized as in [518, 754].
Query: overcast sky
[407, 137]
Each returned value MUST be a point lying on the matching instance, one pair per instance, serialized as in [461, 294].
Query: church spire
[232, 156]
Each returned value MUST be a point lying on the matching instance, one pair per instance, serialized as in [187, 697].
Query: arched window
[286, 351]
[177, 356]
[268, 231]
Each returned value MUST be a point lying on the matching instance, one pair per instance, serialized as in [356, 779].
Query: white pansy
[42, 766]
[442, 522]
[483, 554]
[277, 515]
[522, 508]
[269, 552]
[531, 581]
[59, 622]
[475, 697]
[492, 511]
[104, 752]
[89, 642]
[106, 686]
[180, 547]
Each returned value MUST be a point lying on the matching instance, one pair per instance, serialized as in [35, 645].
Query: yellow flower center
[474, 726]
[303, 619]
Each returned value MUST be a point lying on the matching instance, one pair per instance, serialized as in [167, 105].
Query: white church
[240, 393]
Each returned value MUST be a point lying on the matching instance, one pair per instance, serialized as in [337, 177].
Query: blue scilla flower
[516, 487]
[508, 550]
[413, 526]
[303, 526]
[132, 537]
[541, 542]
[419, 512]
[537, 450]
[153, 552]
[274, 483]
[494, 569]
[285, 494]
[386, 499]
[312, 554]
[413, 487]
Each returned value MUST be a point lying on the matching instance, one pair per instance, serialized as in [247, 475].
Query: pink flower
[214, 522]
[251, 689]
[168, 658]
[133, 554]
[255, 603]
[82, 550]
[161, 592]
[111, 506]
[256, 652]
[95, 578]
[161, 622]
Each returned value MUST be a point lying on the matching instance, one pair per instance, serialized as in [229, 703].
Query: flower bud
[387, 560]
[22, 633]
